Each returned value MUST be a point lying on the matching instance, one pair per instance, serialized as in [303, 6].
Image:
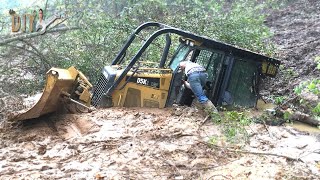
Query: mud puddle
[304, 127]
[269, 107]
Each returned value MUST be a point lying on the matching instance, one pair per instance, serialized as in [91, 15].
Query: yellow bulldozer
[233, 76]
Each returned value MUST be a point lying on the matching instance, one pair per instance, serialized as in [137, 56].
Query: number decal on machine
[146, 81]
[142, 81]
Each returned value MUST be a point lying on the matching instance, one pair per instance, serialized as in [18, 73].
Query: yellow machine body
[140, 91]
[60, 84]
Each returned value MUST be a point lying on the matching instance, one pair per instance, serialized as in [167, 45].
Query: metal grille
[99, 90]
[203, 58]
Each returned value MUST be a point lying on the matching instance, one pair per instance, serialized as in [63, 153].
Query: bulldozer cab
[233, 73]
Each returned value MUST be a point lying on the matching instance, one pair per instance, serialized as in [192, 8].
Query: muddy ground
[120, 143]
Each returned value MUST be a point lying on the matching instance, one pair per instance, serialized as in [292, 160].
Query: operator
[197, 78]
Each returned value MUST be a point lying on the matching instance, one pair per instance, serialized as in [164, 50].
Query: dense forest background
[90, 33]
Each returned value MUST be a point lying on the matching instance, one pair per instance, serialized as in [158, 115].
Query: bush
[233, 124]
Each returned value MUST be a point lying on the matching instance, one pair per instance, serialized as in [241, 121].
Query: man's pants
[197, 81]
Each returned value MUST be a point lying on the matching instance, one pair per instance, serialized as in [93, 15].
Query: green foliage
[213, 140]
[105, 26]
[24, 86]
[29, 86]
[279, 100]
[316, 110]
[281, 67]
[286, 115]
[312, 86]
[298, 89]
[233, 124]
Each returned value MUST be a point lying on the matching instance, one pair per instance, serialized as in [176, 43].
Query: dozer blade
[61, 85]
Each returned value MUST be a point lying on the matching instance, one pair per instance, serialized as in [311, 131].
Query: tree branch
[32, 52]
[262, 153]
[4, 56]
[46, 6]
[42, 57]
[22, 48]
[250, 152]
[31, 35]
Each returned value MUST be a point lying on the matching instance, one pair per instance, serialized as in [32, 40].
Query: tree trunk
[305, 118]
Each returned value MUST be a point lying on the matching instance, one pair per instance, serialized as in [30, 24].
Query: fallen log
[298, 116]
[305, 118]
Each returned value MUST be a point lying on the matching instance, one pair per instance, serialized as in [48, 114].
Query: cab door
[212, 60]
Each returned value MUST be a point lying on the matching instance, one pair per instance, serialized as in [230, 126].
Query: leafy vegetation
[233, 124]
[279, 100]
[103, 27]
[312, 86]
[316, 110]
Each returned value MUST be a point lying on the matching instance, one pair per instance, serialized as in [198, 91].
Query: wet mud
[136, 143]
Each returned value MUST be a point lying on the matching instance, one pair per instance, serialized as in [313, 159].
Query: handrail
[133, 36]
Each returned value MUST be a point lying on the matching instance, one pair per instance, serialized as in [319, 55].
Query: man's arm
[186, 84]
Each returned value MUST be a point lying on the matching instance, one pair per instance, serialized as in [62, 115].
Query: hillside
[297, 36]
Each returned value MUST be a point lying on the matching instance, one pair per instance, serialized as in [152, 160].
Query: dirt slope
[297, 36]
